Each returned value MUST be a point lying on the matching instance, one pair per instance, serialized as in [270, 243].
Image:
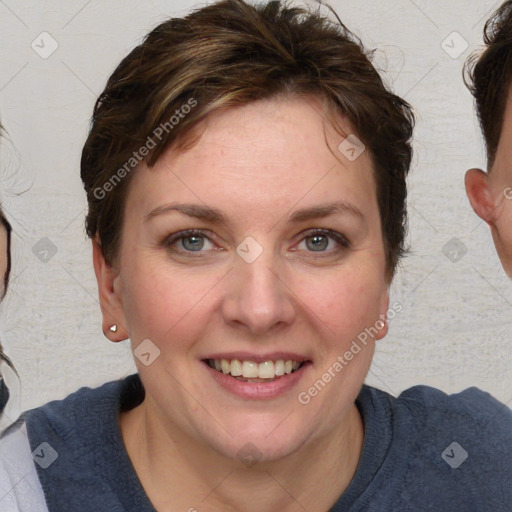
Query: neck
[178, 473]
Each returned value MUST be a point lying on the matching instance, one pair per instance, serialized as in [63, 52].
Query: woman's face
[295, 270]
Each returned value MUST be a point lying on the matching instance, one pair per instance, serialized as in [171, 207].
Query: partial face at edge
[317, 284]
[4, 257]
[491, 194]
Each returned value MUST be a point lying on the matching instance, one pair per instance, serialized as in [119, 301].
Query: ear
[109, 293]
[479, 194]
[383, 317]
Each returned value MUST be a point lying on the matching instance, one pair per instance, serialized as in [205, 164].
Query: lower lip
[258, 390]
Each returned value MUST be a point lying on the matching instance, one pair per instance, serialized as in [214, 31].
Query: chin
[248, 452]
[259, 445]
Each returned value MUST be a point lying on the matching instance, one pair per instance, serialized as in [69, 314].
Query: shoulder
[471, 424]
[440, 449]
[79, 446]
[20, 489]
[425, 419]
[85, 407]
[471, 412]
[81, 421]
[458, 444]
[425, 405]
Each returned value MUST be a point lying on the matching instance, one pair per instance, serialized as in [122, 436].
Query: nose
[257, 298]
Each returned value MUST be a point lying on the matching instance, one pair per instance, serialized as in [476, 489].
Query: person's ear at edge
[113, 324]
[479, 194]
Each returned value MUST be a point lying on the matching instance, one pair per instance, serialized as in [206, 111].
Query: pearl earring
[113, 328]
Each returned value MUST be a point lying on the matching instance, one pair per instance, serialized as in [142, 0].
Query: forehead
[271, 151]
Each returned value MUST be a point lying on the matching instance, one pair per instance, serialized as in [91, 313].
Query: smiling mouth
[250, 371]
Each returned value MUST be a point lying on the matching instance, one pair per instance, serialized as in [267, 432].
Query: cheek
[159, 301]
[163, 303]
[504, 224]
[345, 302]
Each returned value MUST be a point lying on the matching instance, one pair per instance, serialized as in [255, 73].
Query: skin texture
[258, 164]
[490, 194]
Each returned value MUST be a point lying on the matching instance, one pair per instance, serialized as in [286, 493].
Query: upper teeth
[252, 370]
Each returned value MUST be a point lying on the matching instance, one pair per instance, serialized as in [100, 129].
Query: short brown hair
[488, 76]
[226, 55]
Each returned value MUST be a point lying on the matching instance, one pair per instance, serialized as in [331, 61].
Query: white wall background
[454, 331]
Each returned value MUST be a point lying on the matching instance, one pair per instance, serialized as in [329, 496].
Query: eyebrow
[205, 213]
[318, 212]
[213, 215]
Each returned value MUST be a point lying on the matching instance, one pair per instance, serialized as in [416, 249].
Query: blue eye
[317, 242]
[321, 241]
[193, 242]
[189, 241]
[325, 240]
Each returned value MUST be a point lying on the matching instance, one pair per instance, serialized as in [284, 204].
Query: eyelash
[340, 239]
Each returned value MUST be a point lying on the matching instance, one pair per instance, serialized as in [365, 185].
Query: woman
[19, 486]
[5, 267]
[245, 173]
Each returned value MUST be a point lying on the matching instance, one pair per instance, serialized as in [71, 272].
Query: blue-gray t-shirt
[422, 451]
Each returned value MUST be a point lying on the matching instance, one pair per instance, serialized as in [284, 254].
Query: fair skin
[490, 193]
[258, 165]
